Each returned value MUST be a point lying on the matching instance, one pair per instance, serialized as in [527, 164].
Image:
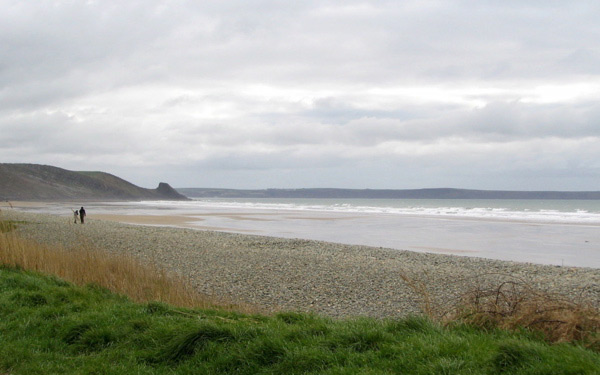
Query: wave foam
[575, 216]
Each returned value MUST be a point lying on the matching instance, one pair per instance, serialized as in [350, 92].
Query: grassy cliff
[43, 182]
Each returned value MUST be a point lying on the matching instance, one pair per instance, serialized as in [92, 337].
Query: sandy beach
[303, 275]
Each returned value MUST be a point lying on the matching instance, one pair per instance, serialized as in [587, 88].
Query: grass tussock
[88, 265]
[8, 225]
[420, 288]
[514, 305]
[52, 327]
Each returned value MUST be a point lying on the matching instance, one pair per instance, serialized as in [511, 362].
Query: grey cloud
[314, 90]
[272, 42]
[496, 122]
[60, 133]
[506, 121]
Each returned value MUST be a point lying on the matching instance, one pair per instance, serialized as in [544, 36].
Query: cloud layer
[254, 94]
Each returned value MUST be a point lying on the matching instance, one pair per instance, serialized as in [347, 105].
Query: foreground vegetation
[87, 264]
[89, 326]
[48, 326]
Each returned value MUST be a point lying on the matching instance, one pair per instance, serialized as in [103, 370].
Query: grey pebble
[311, 276]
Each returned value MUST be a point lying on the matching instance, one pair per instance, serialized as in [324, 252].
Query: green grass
[9, 225]
[48, 326]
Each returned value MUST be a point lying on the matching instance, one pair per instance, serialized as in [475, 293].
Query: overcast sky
[486, 94]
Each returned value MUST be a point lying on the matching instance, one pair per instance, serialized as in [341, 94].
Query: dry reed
[117, 273]
[419, 287]
[515, 305]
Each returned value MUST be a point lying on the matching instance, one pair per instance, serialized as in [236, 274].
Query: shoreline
[174, 221]
[535, 242]
[327, 278]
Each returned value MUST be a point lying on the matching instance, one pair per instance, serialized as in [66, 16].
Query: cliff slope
[44, 182]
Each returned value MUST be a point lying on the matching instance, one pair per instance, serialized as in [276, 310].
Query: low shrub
[514, 305]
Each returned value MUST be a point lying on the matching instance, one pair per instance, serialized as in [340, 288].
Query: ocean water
[556, 232]
[541, 211]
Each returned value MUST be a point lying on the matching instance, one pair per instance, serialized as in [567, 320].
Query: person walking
[81, 214]
[75, 216]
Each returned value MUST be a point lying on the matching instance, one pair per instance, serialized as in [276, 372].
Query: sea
[555, 232]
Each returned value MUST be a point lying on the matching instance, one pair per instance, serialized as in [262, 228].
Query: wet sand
[180, 221]
[511, 240]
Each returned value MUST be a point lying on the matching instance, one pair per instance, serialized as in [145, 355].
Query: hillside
[387, 194]
[44, 182]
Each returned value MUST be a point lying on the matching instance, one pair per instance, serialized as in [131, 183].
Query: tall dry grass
[515, 305]
[120, 274]
[419, 287]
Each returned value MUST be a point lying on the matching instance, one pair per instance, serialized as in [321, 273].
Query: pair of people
[79, 214]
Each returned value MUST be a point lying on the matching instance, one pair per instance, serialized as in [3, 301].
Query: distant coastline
[436, 193]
